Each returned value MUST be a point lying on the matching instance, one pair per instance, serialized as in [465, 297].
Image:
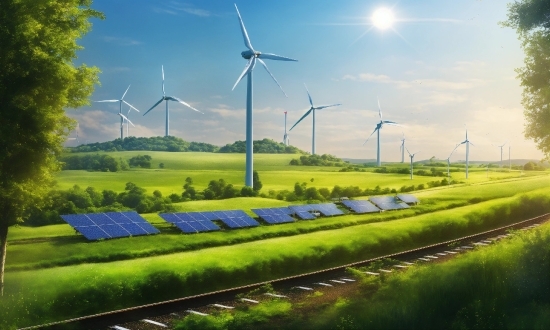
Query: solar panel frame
[134, 216]
[100, 219]
[328, 209]
[115, 230]
[301, 208]
[92, 233]
[361, 206]
[305, 215]
[77, 220]
[409, 199]
[134, 229]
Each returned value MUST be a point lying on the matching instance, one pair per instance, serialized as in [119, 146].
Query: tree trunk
[3, 246]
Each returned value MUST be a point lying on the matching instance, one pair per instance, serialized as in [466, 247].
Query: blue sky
[443, 66]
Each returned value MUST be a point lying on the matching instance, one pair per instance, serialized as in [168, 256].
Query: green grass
[275, 173]
[63, 292]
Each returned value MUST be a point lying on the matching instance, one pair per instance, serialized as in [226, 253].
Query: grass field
[274, 171]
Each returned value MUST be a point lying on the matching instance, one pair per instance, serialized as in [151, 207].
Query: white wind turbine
[286, 140]
[75, 138]
[120, 110]
[377, 129]
[449, 161]
[127, 120]
[467, 142]
[252, 56]
[412, 160]
[402, 148]
[168, 98]
[312, 111]
[501, 146]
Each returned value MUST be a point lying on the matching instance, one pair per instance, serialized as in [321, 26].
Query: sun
[382, 18]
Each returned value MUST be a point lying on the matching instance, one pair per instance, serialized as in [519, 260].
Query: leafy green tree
[38, 80]
[531, 19]
[256, 183]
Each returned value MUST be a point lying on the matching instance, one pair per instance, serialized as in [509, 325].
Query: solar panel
[360, 206]
[95, 226]
[388, 203]
[328, 209]
[274, 215]
[304, 215]
[236, 219]
[409, 199]
[301, 208]
[191, 222]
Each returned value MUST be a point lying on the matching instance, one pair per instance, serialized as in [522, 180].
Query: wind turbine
[75, 138]
[285, 137]
[252, 56]
[312, 111]
[501, 151]
[120, 110]
[449, 161]
[168, 98]
[127, 120]
[412, 160]
[377, 129]
[402, 147]
[467, 142]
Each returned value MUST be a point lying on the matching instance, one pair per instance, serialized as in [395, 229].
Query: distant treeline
[175, 144]
[316, 160]
[103, 163]
[265, 146]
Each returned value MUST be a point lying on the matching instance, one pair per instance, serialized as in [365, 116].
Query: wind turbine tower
[449, 161]
[252, 56]
[377, 129]
[285, 137]
[168, 98]
[312, 111]
[501, 165]
[467, 142]
[412, 160]
[128, 120]
[120, 110]
[402, 148]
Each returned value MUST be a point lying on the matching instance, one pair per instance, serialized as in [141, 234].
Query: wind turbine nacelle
[247, 54]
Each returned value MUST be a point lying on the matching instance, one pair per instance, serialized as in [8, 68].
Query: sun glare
[382, 18]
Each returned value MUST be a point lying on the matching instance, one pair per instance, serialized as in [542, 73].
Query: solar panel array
[303, 211]
[361, 206]
[409, 199]
[328, 209]
[275, 215]
[96, 226]
[388, 203]
[194, 222]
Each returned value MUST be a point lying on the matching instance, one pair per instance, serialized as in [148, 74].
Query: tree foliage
[157, 143]
[37, 82]
[265, 146]
[531, 19]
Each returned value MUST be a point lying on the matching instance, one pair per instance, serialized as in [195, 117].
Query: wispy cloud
[177, 8]
[121, 41]
[432, 83]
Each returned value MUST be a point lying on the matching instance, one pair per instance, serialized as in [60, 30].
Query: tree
[38, 81]
[256, 183]
[531, 19]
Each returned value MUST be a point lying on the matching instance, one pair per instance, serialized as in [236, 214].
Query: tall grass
[48, 294]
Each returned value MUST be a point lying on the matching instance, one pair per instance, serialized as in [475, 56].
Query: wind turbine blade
[379, 108]
[309, 96]
[275, 57]
[266, 69]
[173, 98]
[243, 30]
[470, 142]
[123, 95]
[304, 116]
[131, 106]
[162, 99]
[371, 135]
[126, 118]
[247, 68]
[391, 123]
[108, 101]
[163, 92]
[327, 106]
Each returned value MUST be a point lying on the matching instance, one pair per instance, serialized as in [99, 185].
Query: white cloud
[121, 41]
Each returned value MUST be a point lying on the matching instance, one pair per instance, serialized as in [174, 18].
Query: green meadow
[51, 271]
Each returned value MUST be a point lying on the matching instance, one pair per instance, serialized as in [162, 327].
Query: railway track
[113, 319]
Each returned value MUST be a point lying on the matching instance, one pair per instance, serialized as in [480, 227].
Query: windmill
[286, 140]
[377, 129]
[449, 161]
[127, 120]
[501, 151]
[402, 148]
[75, 138]
[467, 142]
[412, 160]
[168, 98]
[252, 56]
[312, 111]
[120, 110]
